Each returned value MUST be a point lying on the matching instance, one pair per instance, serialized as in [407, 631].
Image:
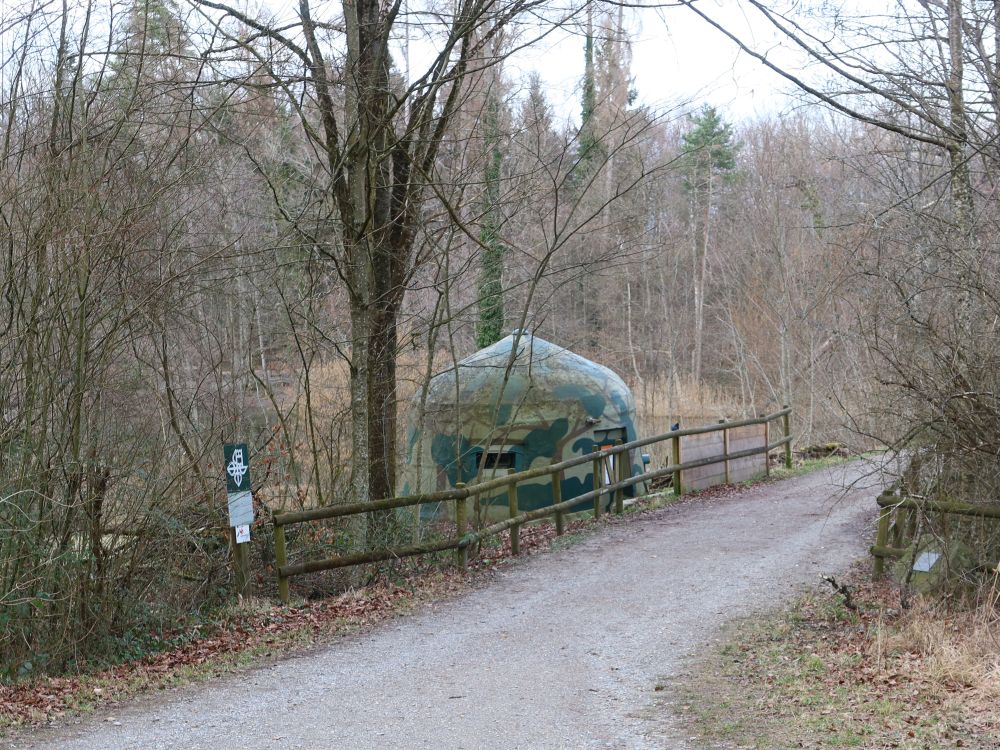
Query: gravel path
[562, 651]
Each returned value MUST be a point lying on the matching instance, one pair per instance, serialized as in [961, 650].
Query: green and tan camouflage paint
[542, 405]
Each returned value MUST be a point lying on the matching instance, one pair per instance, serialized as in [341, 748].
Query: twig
[843, 591]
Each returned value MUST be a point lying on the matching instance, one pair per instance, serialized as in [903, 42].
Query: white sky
[676, 57]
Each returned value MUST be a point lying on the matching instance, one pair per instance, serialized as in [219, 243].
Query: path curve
[563, 651]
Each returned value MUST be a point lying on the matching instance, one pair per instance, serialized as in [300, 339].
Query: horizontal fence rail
[897, 522]
[463, 538]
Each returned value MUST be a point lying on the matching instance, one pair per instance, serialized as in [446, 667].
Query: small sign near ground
[927, 560]
[242, 534]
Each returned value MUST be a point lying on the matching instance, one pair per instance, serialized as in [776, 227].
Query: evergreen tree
[590, 146]
[709, 156]
[535, 118]
[489, 328]
[709, 150]
[152, 45]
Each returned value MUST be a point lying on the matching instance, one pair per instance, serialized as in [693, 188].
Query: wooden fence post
[767, 448]
[911, 524]
[280, 561]
[901, 527]
[477, 512]
[241, 563]
[598, 470]
[622, 464]
[725, 451]
[461, 508]
[678, 488]
[787, 421]
[515, 530]
[556, 499]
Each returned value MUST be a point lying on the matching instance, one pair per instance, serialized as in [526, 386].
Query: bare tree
[374, 141]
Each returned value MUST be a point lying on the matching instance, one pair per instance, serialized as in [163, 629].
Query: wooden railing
[897, 522]
[464, 538]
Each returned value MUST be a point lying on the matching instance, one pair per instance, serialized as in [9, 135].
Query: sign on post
[237, 461]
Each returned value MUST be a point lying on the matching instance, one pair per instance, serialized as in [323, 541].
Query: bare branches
[826, 58]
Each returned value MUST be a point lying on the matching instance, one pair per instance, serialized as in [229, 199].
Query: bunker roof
[550, 372]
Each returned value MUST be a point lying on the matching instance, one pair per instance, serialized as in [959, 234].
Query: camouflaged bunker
[495, 414]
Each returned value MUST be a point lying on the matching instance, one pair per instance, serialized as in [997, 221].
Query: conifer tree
[489, 328]
[590, 150]
[709, 157]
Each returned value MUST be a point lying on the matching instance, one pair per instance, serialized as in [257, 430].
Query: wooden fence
[606, 483]
[897, 522]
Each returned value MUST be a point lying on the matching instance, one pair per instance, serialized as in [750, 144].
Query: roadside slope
[563, 651]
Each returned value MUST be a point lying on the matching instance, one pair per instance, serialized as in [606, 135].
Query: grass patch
[817, 675]
[801, 467]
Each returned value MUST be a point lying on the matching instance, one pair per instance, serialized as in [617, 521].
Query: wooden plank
[697, 447]
[741, 439]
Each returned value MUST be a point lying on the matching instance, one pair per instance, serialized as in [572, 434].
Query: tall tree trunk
[382, 397]
[961, 186]
[961, 180]
[700, 272]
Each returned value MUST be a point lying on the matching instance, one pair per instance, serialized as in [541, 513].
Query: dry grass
[676, 399]
[959, 651]
[818, 675]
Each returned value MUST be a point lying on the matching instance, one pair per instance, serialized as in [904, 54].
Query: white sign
[240, 508]
[242, 534]
[926, 561]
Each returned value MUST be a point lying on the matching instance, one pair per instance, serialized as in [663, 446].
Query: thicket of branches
[219, 225]
[925, 77]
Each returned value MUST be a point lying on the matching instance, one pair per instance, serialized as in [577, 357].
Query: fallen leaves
[261, 632]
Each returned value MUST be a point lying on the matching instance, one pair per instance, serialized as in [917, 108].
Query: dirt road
[563, 651]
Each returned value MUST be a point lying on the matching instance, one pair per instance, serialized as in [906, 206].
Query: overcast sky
[677, 58]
